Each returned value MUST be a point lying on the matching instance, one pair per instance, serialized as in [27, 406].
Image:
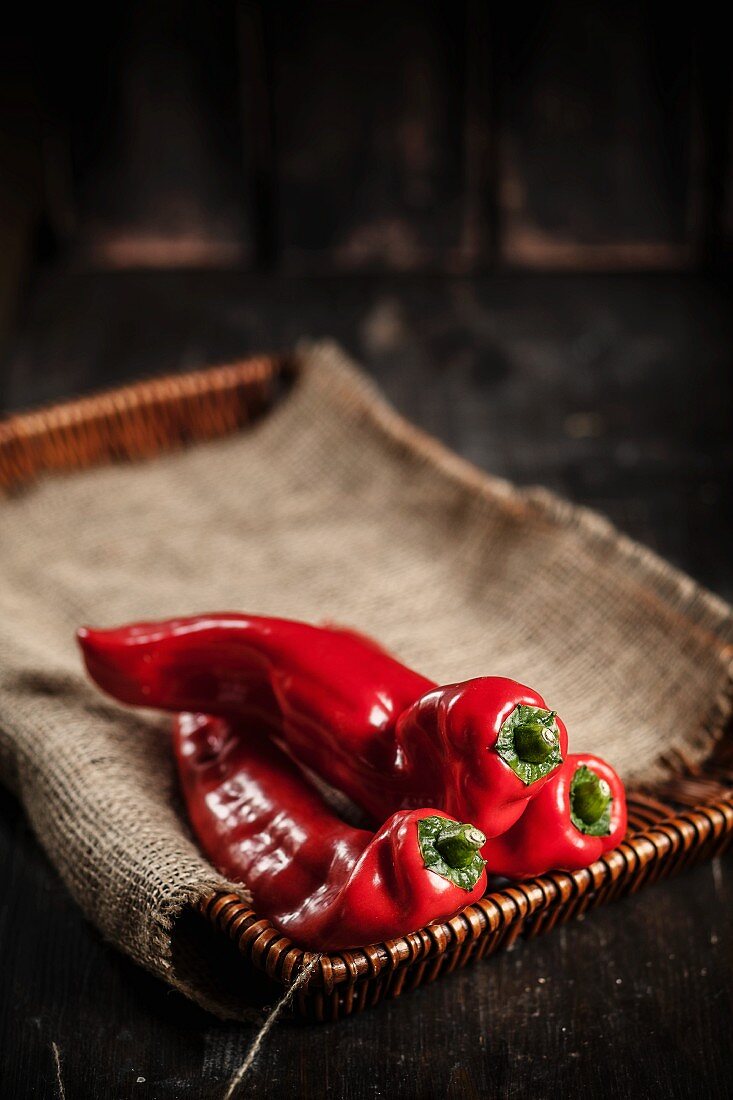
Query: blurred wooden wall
[387, 136]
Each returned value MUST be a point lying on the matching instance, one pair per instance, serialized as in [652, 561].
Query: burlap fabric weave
[332, 507]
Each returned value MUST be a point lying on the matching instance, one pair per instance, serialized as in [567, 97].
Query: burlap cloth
[333, 507]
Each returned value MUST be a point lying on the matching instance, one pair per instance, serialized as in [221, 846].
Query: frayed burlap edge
[705, 612]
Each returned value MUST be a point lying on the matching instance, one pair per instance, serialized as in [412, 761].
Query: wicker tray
[687, 819]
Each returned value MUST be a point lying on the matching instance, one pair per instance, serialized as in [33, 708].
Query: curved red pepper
[323, 883]
[449, 743]
[556, 832]
[386, 736]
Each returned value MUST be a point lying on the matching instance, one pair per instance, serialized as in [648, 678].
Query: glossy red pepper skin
[446, 745]
[545, 838]
[324, 884]
[385, 735]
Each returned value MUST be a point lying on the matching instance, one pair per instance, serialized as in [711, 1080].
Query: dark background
[343, 137]
[520, 219]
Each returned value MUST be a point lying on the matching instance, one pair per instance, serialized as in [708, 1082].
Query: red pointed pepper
[323, 883]
[386, 736]
[579, 815]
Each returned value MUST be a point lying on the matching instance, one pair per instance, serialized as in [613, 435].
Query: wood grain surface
[424, 136]
[616, 391]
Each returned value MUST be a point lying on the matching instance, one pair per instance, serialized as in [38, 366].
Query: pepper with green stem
[387, 736]
[579, 815]
[321, 882]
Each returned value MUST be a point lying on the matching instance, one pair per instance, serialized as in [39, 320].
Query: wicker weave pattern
[660, 844]
[136, 421]
[686, 819]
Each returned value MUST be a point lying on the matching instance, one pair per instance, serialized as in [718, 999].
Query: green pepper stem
[590, 798]
[458, 844]
[534, 741]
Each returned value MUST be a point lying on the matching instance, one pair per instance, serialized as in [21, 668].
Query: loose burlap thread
[331, 508]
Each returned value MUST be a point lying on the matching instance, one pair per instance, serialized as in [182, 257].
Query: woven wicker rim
[662, 846]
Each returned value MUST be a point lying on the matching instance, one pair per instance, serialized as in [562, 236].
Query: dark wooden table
[617, 392]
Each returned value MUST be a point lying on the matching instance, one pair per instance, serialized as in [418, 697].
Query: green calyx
[529, 742]
[590, 802]
[451, 850]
